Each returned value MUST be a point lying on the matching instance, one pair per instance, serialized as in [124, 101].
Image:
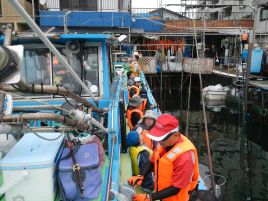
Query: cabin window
[91, 68]
[264, 14]
[36, 66]
[62, 77]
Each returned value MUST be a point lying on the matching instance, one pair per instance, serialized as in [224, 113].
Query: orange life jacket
[147, 141]
[137, 89]
[163, 169]
[129, 114]
[144, 102]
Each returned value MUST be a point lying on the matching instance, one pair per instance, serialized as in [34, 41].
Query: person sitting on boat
[130, 79]
[174, 161]
[144, 96]
[134, 111]
[134, 66]
[146, 124]
[140, 154]
[134, 90]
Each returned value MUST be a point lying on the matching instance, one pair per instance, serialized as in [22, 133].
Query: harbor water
[239, 151]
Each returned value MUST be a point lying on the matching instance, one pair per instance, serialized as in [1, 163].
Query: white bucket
[219, 182]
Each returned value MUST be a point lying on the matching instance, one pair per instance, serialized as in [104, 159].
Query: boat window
[62, 77]
[91, 68]
[36, 66]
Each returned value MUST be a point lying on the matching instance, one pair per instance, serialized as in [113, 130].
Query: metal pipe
[5, 128]
[16, 5]
[7, 33]
[111, 157]
[52, 129]
[66, 22]
[110, 169]
[45, 116]
[33, 9]
[48, 89]
[81, 116]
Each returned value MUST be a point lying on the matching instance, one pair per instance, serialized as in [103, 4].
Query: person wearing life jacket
[174, 163]
[134, 90]
[139, 154]
[244, 39]
[145, 103]
[134, 66]
[130, 78]
[134, 111]
[146, 124]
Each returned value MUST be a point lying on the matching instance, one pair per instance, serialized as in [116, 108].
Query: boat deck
[260, 83]
[257, 81]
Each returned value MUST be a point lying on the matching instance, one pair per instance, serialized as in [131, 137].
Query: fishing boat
[215, 93]
[64, 92]
[39, 109]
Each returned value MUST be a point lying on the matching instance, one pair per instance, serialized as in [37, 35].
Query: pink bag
[94, 139]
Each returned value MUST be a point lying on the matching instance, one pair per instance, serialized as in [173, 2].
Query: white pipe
[5, 128]
[16, 5]
[81, 116]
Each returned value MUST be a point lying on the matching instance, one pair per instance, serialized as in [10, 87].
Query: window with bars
[264, 14]
[227, 12]
[86, 5]
[215, 1]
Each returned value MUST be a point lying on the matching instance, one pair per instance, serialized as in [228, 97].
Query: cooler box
[88, 159]
[29, 168]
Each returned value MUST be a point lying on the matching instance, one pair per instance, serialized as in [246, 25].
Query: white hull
[215, 95]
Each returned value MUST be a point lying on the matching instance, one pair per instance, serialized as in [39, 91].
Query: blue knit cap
[133, 139]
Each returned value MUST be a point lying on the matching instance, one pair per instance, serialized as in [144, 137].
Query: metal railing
[156, 13]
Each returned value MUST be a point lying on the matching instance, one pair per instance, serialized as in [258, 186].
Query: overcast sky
[155, 4]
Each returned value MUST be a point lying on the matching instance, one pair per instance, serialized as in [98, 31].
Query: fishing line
[48, 139]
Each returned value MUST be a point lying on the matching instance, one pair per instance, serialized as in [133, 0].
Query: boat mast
[16, 5]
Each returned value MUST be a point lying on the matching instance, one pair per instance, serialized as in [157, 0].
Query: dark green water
[241, 157]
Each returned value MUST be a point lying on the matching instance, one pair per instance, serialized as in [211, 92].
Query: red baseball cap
[164, 125]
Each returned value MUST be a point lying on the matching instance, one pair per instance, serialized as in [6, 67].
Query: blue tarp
[86, 19]
[256, 61]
